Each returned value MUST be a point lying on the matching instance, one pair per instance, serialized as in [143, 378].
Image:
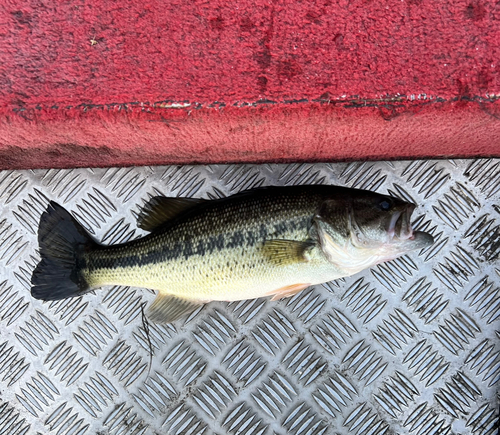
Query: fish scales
[212, 249]
[272, 241]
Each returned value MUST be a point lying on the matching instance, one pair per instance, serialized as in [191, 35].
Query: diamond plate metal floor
[408, 347]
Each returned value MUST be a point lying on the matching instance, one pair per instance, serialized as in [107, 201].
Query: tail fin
[62, 242]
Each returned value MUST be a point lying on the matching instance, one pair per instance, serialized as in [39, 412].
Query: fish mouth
[400, 224]
[401, 233]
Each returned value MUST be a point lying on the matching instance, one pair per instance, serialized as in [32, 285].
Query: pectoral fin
[161, 209]
[286, 292]
[282, 252]
[168, 308]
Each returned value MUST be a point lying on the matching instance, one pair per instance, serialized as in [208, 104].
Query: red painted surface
[82, 82]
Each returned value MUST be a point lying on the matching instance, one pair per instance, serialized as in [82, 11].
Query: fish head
[366, 228]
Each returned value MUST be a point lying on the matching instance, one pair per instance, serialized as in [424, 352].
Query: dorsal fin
[161, 209]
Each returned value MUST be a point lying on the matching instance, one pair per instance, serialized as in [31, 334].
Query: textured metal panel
[411, 346]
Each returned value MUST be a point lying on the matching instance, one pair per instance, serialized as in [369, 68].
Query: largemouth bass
[272, 241]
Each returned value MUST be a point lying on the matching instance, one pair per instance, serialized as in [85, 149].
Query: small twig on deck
[145, 325]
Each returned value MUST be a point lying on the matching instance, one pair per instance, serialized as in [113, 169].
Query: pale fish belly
[228, 275]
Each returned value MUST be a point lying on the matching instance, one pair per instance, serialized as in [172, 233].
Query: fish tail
[62, 241]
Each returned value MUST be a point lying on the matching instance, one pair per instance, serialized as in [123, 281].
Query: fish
[265, 242]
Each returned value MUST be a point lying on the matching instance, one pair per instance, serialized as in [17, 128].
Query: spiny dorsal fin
[168, 308]
[161, 209]
[283, 252]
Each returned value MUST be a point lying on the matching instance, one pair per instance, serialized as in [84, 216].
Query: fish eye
[385, 204]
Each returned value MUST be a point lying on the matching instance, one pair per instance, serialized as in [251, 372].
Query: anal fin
[168, 308]
[288, 291]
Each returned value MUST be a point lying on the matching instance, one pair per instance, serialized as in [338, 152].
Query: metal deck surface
[408, 347]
